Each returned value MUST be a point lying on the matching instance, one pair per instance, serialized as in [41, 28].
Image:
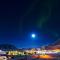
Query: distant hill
[7, 47]
[57, 42]
[55, 45]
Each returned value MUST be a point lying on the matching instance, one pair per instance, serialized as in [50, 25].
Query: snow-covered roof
[2, 52]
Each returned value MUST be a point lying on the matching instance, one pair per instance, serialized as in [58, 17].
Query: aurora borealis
[18, 19]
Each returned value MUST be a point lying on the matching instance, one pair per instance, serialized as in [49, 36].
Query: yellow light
[57, 50]
[45, 56]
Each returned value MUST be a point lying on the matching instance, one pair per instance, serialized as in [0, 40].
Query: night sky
[19, 19]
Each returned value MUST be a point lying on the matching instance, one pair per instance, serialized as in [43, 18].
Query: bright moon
[33, 35]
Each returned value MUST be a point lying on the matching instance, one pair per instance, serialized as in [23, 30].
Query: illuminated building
[3, 55]
[15, 53]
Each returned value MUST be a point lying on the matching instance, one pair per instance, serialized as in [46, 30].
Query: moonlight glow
[33, 35]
